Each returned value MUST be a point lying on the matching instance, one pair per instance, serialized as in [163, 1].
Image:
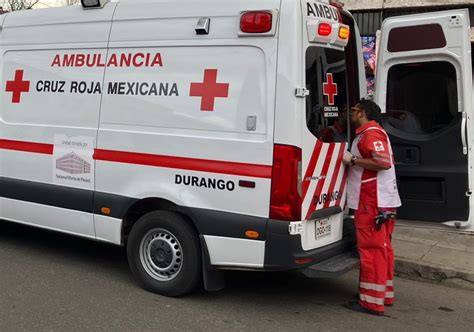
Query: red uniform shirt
[373, 144]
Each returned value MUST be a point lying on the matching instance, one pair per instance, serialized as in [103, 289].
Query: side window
[422, 98]
[326, 106]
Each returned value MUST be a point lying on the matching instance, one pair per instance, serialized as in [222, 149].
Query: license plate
[323, 228]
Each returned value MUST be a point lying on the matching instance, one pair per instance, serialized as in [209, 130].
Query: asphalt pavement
[55, 282]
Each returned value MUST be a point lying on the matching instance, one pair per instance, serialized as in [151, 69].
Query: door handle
[463, 133]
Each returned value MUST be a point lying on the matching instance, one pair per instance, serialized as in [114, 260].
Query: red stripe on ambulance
[191, 164]
[311, 166]
[322, 180]
[26, 146]
[343, 187]
[335, 176]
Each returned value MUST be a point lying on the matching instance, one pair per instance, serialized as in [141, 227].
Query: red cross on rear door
[330, 89]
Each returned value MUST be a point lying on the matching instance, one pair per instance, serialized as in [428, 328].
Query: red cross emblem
[330, 89]
[17, 86]
[379, 146]
[209, 90]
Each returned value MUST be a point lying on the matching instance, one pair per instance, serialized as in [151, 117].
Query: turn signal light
[324, 29]
[252, 234]
[256, 22]
[344, 32]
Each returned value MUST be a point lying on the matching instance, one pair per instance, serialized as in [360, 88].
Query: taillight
[285, 199]
[324, 29]
[256, 22]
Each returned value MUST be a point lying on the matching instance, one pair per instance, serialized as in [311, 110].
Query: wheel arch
[151, 204]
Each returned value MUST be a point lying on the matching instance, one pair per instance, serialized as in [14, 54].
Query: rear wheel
[164, 254]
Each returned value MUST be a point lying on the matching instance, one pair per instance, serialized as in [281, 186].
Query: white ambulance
[201, 136]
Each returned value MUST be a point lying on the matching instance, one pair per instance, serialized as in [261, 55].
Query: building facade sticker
[73, 163]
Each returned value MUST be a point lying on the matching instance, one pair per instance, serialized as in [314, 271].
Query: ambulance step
[333, 267]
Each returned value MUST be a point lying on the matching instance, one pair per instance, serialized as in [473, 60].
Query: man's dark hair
[372, 110]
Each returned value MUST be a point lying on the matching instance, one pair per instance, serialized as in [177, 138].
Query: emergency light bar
[328, 32]
[324, 29]
[93, 4]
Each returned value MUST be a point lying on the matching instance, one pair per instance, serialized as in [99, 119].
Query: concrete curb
[429, 272]
[434, 255]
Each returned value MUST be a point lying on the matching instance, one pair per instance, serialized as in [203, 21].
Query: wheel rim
[161, 254]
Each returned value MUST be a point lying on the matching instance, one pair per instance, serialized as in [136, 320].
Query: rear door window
[326, 106]
[422, 98]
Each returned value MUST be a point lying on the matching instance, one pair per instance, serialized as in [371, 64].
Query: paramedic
[372, 189]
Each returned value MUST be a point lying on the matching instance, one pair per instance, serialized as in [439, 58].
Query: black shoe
[355, 306]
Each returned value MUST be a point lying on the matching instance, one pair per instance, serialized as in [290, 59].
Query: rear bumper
[283, 251]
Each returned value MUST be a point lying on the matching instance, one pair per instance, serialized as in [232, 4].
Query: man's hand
[347, 158]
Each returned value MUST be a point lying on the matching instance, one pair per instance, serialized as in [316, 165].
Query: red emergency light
[256, 22]
[324, 29]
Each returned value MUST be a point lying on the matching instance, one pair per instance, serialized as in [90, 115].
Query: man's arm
[371, 164]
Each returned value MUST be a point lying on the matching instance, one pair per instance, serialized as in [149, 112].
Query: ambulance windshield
[326, 106]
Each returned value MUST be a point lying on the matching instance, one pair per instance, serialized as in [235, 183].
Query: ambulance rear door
[424, 86]
[324, 138]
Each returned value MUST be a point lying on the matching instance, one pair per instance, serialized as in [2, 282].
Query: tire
[164, 254]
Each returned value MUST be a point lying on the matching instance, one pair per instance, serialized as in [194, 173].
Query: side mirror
[93, 4]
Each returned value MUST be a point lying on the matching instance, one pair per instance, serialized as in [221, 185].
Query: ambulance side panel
[203, 140]
[45, 126]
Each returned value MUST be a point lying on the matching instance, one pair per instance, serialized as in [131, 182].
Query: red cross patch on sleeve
[378, 145]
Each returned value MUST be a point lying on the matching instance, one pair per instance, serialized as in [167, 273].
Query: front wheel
[164, 254]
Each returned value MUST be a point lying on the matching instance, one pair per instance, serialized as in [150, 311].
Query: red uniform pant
[376, 259]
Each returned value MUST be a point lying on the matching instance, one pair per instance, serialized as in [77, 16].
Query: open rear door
[424, 85]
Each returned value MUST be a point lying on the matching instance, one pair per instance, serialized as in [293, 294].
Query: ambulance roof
[73, 24]
[166, 9]
[206, 3]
